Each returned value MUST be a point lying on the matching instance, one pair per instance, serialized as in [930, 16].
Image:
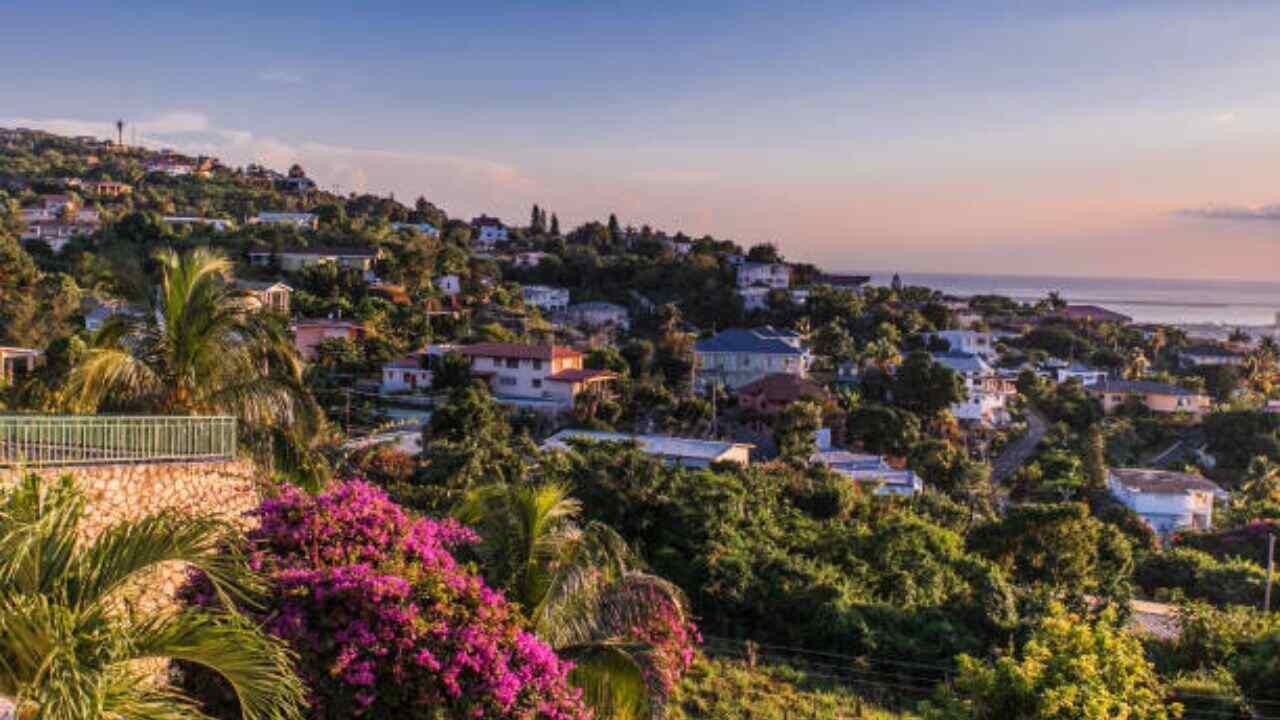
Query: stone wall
[118, 493]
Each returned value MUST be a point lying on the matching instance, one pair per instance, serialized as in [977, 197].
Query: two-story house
[1167, 501]
[541, 377]
[969, 342]
[736, 357]
[1156, 396]
[596, 315]
[756, 280]
[487, 232]
[545, 298]
[986, 391]
[1210, 355]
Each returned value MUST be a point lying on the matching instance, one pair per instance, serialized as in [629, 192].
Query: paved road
[1017, 453]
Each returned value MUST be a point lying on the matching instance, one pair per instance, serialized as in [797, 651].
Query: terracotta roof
[1162, 482]
[576, 375]
[517, 350]
[783, 388]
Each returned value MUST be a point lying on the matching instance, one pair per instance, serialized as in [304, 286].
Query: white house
[56, 234]
[1085, 374]
[215, 223]
[968, 341]
[546, 298]
[685, 452]
[1207, 355]
[540, 377]
[770, 275]
[986, 392]
[304, 221]
[406, 374]
[425, 228]
[736, 357]
[449, 285]
[596, 315]
[489, 231]
[529, 259]
[1167, 501]
[871, 470]
[270, 294]
[296, 259]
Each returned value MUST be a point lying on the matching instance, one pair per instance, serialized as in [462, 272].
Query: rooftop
[519, 351]
[1162, 482]
[1211, 351]
[784, 388]
[962, 362]
[663, 445]
[1141, 387]
[765, 340]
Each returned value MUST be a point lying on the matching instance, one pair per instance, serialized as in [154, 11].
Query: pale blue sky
[979, 137]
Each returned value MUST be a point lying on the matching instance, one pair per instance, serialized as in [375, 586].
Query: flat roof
[663, 445]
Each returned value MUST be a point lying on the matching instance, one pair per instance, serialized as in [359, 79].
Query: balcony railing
[42, 440]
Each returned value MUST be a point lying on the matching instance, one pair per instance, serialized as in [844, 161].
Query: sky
[1065, 138]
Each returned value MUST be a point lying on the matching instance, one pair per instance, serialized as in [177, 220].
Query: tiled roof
[581, 375]
[1162, 482]
[1140, 387]
[517, 350]
[782, 388]
[760, 340]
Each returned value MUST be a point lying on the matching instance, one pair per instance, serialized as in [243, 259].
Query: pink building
[308, 334]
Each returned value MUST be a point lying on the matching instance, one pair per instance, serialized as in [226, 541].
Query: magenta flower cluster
[668, 634]
[385, 621]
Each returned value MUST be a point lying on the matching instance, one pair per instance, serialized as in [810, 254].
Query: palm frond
[257, 666]
[611, 680]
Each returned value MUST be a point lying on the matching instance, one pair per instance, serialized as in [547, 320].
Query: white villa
[1167, 501]
[987, 393]
[540, 377]
[546, 298]
[597, 315]
[969, 342]
[686, 452]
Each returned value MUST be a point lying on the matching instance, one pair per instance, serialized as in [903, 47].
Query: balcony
[55, 440]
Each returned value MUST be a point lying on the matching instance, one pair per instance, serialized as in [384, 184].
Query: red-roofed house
[771, 393]
[545, 377]
[308, 334]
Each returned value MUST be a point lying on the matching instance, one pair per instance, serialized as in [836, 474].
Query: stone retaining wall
[118, 493]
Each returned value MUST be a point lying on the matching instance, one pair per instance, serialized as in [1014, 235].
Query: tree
[615, 231]
[926, 387]
[67, 648]
[882, 353]
[1069, 669]
[795, 432]
[555, 225]
[883, 430]
[453, 371]
[764, 253]
[203, 351]
[1136, 364]
[581, 587]
[1095, 457]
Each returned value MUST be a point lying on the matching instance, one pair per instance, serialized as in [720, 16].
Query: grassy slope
[728, 689]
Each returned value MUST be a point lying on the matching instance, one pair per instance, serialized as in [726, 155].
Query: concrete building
[736, 357]
[1167, 501]
[267, 294]
[1210, 355]
[596, 315]
[986, 392]
[871, 471]
[969, 342]
[685, 452]
[308, 334]
[487, 232]
[297, 259]
[449, 285]
[541, 377]
[546, 298]
[1157, 397]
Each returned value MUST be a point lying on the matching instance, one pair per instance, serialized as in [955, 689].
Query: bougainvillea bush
[386, 623]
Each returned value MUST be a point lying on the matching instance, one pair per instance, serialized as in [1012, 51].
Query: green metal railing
[33, 440]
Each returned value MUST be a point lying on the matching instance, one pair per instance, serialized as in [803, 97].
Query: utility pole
[1271, 567]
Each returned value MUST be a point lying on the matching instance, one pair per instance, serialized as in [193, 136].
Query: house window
[537, 364]
[506, 381]
[513, 362]
[536, 383]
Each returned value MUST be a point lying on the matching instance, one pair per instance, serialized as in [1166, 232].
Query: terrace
[61, 440]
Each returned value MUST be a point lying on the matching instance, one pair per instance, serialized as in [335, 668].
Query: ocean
[1173, 302]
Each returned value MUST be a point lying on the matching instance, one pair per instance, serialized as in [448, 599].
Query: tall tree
[796, 432]
[555, 225]
[615, 230]
[69, 650]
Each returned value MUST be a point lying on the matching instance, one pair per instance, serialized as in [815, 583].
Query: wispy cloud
[284, 77]
[1225, 118]
[1267, 213]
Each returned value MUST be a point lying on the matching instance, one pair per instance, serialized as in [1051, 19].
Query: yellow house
[1157, 397]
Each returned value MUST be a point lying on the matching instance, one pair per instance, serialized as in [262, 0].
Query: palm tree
[204, 350]
[882, 353]
[1136, 364]
[71, 645]
[578, 583]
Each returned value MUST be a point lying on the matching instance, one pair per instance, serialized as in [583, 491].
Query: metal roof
[662, 445]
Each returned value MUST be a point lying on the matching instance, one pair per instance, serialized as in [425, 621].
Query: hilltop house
[870, 470]
[685, 452]
[1208, 355]
[302, 221]
[489, 231]
[757, 280]
[596, 315]
[546, 298]
[529, 259]
[1167, 501]
[413, 372]
[736, 357]
[986, 392]
[1157, 397]
[969, 342]
[267, 294]
[109, 189]
[308, 334]
[215, 223]
[1085, 374]
[772, 393]
[541, 377]
[56, 234]
[296, 259]
[425, 228]
[449, 285]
